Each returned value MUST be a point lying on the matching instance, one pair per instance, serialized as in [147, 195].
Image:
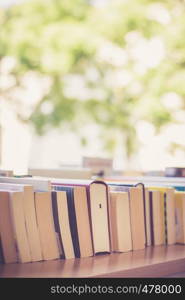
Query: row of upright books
[45, 219]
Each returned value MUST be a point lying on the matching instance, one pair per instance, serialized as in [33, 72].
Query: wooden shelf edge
[160, 261]
[154, 271]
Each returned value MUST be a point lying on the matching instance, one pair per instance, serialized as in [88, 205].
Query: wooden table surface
[159, 261]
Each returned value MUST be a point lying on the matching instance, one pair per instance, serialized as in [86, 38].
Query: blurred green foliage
[124, 57]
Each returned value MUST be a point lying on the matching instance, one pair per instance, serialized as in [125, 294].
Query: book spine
[140, 184]
[89, 213]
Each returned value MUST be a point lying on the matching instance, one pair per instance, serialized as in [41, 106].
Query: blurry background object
[72, 173]
[132, 173]
[7, 173]
[155, 173]
[174, 172]
[99, 166]
[92, 78]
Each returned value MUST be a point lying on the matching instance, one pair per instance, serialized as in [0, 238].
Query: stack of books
[51, 218]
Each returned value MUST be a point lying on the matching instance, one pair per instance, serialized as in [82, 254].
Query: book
[61, 220]
[16, 200]
[120, 222]
[157, 222]
[145, 179]
[72, 218]
[30, 217]
[83, 221]
[8, 241]
[137, 211]
[177, 183]
[137, 218]
[48, 237]
[97, 196]
[180, 217]
[147, 218]
[79, 219]
[38, 183]
[168, 208]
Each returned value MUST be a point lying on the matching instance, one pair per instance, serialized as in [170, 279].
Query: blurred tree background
[112, 63]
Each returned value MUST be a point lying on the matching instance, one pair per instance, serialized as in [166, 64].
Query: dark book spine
[151, 218]
[89, 214]
[73, 222]
[165, 219]
[1, 253]
[56, 222]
